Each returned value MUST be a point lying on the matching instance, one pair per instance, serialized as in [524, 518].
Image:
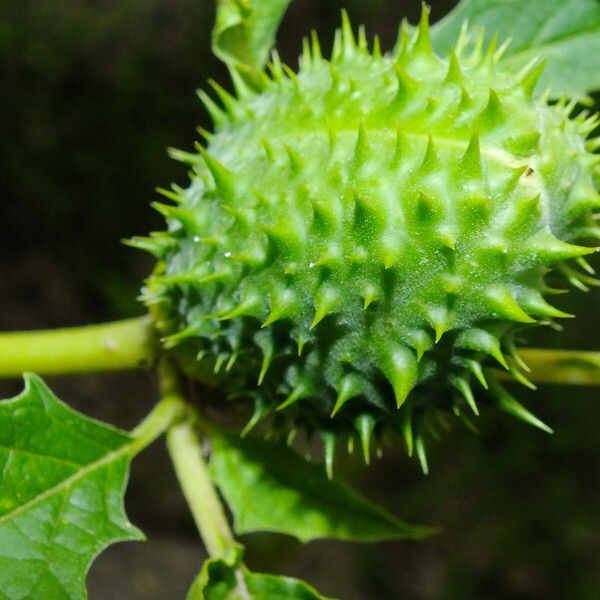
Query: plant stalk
[166, 413]
[192, 472]
[130, 344]
[121, 345]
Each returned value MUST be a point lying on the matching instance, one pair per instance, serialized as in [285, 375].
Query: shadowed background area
[92, 94]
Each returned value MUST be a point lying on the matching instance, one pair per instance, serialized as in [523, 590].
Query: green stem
[130, 344]
[109, 347]
[571, 367]
[192, 472]
[165, 414]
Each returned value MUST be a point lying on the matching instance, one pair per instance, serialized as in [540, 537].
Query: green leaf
[270, 488]
[61, 495]
[244, 31]
[565, 32]
[221, 580]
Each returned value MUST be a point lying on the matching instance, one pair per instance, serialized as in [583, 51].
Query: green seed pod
[361, 240]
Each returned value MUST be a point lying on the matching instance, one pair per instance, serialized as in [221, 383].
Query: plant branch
[571, 367]
[121, 345]
[166, 413]
[192, 472]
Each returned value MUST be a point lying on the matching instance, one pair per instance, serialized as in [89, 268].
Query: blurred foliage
[93, 91]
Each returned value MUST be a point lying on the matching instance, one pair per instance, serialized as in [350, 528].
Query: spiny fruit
[361, 240]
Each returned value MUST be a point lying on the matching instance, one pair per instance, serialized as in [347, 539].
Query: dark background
[92, 94]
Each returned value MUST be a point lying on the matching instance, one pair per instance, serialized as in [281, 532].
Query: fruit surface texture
[361, 240]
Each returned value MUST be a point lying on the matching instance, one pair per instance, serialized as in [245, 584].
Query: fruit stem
[120, 345]
[185, 449]
[570, 367]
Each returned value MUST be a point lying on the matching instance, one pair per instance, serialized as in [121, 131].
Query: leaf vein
[66, 483]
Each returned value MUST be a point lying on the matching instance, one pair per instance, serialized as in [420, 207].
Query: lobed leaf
[565, 32]
[61, 495]
[270, 488]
